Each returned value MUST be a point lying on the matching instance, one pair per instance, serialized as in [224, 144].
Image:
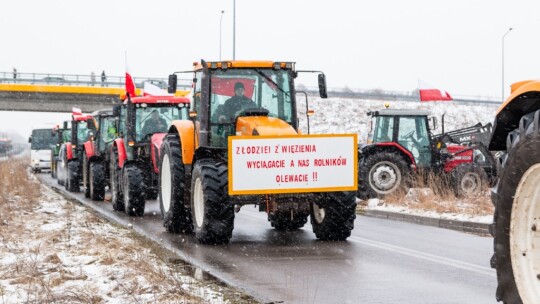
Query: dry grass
[52, 249]
[434, 193]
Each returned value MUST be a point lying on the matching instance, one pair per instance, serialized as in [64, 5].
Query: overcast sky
[453, 45]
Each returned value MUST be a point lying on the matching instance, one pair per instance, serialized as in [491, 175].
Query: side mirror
[322, 86]
[116, 110]
[30, 139]
[173, 83]
[65, 125]
[433, 124]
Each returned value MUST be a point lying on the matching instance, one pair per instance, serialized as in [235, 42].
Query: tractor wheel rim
[525, 236]
[166, 183]
[385, 177]
[318, 213]
[470, 184]
[198, 202]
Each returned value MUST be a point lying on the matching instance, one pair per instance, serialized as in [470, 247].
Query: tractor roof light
[224, 65]
[288, 65]
[213, 65]
[277, 65]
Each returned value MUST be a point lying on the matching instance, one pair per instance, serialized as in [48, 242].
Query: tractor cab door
[107, 133]
[383, 130]
[414, 136]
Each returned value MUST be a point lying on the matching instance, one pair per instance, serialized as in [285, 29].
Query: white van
[41, 141]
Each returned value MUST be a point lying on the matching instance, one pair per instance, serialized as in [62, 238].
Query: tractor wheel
[287, 221]
[117, 197]
[333, 217]
[176, 217]
[213, 214]
[53, 165]
[517, 212]
[134, 188]
[86, 185]
[96, 180]
[73, 178]
[468, 180]
[383, 174]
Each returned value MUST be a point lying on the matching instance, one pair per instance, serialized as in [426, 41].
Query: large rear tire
[333, 216]
[382, 174]
[117, 197]
[73, 178]
[134, 188]
[172, 184]
[212, 211]
[515, 226]
[97, 181]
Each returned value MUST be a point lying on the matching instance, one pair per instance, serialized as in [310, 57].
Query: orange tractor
[239, 148]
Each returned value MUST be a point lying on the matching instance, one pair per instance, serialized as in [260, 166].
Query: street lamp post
[509, 30]
[220, 21]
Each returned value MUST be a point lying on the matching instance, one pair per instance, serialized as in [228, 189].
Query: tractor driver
[154, 124]
[236, 104]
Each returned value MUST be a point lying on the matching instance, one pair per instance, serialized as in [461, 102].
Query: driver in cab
[236, 104]
[155, 124]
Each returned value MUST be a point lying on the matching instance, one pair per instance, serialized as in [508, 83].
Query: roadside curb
[463, 226]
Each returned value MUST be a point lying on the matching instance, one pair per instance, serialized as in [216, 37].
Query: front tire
[117, 198]
[332, 218]
[97, 181]
[73, 179]
[212, 211]
[134, 188]
[516, 226]
[176, 217]
[86, 185]
[468, 180]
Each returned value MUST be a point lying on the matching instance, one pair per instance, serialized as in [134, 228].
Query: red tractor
[402, 144]
[69, 167]
[95, 158]
[142, 124]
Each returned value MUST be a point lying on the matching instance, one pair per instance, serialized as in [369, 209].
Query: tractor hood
[262, 125]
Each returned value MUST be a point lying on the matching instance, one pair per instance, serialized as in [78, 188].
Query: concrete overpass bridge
[60, 92]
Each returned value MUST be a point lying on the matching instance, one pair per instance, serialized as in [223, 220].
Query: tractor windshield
[152, 119]
[66, 135]
[42, 139]
[82, 132]
[235, 90]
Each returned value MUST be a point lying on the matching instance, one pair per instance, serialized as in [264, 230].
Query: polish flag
[429, 93]
[76, 111]
[153, 90]
[130, 85]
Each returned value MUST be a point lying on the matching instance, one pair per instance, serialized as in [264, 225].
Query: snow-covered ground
[340, 115]
[56, 251]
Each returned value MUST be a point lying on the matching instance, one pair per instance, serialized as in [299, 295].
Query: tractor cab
[408, 129]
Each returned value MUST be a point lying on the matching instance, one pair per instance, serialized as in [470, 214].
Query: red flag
[76, 111]
[130, 85]
[429, 93]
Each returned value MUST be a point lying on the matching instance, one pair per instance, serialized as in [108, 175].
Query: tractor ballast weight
[195, 173]
[516, 196]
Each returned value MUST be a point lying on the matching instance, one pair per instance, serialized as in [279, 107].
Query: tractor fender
[383, 146]
[524, 99]
[69, 151]
[155, 145]
[186, 134]
[89, 149]
[121, 148]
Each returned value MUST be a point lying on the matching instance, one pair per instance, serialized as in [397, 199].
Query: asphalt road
[382, 262]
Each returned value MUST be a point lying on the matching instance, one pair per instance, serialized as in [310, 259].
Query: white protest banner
[293, 164]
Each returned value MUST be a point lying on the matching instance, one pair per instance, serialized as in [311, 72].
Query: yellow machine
[242, 146]
[516, 224]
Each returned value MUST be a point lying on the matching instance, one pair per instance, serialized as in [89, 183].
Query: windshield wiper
[271, 81]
